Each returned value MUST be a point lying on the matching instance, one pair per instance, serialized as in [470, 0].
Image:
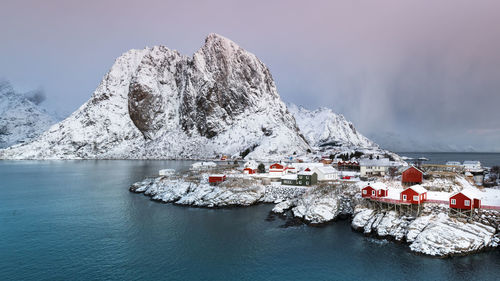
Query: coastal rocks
[445, 236]
[281, 207]
[186, 191]
[434, 234]
[314, 208]
[200, 194]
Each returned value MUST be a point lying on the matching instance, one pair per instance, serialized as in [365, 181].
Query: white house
[326, 173]
[374, 167]
[470, 166]
[303, 166]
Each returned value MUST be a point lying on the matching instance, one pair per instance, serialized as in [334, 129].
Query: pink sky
[392, 67]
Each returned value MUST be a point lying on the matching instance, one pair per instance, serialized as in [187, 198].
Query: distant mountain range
[21, 118]
[155, 103]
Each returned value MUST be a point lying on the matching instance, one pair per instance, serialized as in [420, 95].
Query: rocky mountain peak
[157, 103]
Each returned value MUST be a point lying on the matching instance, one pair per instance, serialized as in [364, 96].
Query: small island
[438, 210]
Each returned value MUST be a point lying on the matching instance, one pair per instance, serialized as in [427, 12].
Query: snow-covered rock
[21, 120]
[315, 207]
[198, 192]
[156, 103]
[434, 234]
[323, 126]
[445, 236]
[282, 206]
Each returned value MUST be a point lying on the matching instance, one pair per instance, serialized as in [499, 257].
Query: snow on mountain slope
[156, 103]
[323, 126]
[20, 119]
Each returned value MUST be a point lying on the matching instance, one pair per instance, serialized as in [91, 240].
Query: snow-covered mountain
[322, 127]
[157, 103]
[20, 119]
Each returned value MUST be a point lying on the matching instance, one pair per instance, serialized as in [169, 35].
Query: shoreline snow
[432, 233]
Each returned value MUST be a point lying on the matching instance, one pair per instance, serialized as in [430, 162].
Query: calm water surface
[77, 220]
[487, 159]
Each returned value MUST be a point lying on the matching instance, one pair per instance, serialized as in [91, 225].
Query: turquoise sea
[76, 220]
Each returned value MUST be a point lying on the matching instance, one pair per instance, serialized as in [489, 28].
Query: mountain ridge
[21, 119]
[156, 103]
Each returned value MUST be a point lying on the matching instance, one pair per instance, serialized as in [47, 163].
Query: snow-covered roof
[471, 193]
[326, 169]
[382, 162]
[378, 185]
[304, 173]
[289, 177]
[418, 188]
[411, 166]
[217, 175]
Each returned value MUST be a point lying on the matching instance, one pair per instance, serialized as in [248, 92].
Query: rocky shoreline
[432, 233]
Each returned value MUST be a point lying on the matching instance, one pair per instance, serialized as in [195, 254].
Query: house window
[404, 197]
[307, 182]
[467, 202]
[453, 201]
[364, 191]
[373, 192]
[415, 198]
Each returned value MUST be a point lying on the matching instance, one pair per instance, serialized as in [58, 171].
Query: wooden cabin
[375, 190]
[326, 173]
[276, 169]
[249, 171]
[465, 200]
[415, 194]
[412, 176]
[215, 179]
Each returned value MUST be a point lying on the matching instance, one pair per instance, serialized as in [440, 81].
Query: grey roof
[382, 162]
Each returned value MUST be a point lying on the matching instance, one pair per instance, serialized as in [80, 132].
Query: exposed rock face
[433, 234]
[20, 119]
[157, 103]
[322, 127]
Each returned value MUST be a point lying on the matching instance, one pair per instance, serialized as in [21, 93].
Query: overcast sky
[412, 75]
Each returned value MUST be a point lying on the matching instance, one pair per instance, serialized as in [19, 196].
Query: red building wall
[368, 193]
[249, 171]
[409, 196]
[460, 202]
[412, 175]
[216, 179]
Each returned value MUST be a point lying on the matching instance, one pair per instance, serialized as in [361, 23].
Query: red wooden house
[414, 194]
[465, 200]
[214, 179]
[412, 176]
[377, 189]
[276, 169]
[249, 171]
